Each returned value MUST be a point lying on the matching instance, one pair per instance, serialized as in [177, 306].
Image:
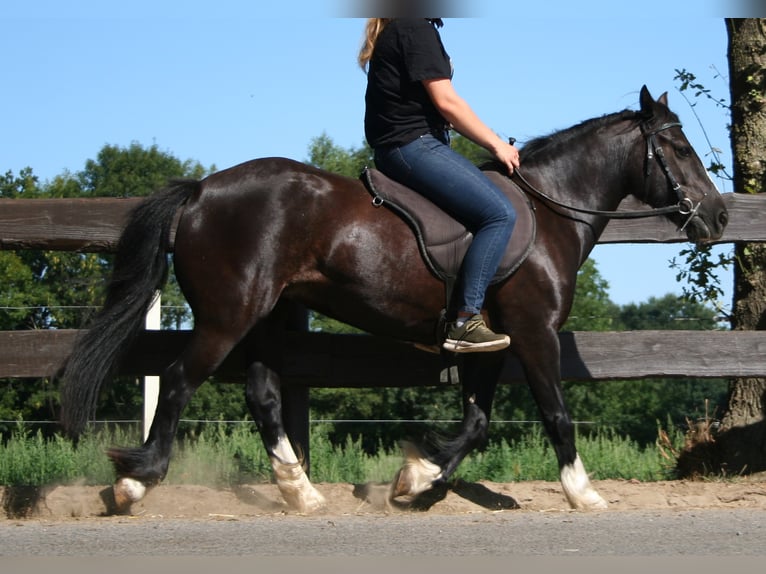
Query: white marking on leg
[578, 489]
[284, 450]
[126, 492]
[417, 475]
[293, 484]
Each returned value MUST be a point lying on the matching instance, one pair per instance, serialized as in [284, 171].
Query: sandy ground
[200, 502]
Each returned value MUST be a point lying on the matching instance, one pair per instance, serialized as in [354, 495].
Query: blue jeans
[429, 166]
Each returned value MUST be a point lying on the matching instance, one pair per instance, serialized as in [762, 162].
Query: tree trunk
[739, 446]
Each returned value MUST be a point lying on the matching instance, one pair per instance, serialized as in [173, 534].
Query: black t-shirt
[398, 108]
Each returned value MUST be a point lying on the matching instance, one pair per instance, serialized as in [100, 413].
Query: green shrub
[225, 455]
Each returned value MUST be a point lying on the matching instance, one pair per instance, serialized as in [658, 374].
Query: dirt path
[199, 502]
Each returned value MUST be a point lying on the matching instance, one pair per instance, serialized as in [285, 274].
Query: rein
[685, 206]
[610, 214]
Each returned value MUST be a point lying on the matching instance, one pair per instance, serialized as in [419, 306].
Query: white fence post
[152, 382]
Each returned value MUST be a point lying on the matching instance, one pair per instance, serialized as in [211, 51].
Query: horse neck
[589, 171]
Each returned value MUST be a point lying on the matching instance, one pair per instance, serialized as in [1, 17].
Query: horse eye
[684, 151]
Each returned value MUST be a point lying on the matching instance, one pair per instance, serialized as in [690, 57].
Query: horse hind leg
[139, 469]
[263, 396]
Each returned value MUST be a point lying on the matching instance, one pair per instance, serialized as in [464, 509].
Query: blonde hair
[371, 32]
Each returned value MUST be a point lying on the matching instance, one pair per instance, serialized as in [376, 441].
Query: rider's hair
[371, 32]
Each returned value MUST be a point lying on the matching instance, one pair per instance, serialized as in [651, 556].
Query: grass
[222, 455]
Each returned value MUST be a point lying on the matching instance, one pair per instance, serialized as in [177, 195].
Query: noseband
[685, 205]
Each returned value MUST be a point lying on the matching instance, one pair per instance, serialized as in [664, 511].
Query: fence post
[151, 382]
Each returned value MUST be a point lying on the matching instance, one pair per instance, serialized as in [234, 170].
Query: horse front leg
[264, 400]
[542, 366]
[434, 461]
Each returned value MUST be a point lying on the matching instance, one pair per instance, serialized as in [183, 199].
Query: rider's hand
[507, 154]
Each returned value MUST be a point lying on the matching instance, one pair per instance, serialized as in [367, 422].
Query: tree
[325, 154]
[56, 290]
[635, 407]
[23, 185]
[669, 312]
[739, 446]
[21, 293]
[592, 310]
[133, 171]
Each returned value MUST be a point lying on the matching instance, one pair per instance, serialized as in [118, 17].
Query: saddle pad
[443, 241]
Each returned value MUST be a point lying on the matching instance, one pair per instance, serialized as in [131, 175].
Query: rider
[410, 106]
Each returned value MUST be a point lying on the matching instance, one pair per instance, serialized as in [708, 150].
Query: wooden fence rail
[94, 225]
[326, 360]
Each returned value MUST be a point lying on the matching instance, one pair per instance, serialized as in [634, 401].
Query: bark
[739, 445]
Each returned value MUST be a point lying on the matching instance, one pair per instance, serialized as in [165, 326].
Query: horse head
[673, 173]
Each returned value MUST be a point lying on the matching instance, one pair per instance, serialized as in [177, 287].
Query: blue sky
[226, 84]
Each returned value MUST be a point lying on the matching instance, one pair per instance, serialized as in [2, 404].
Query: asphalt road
[703, 533]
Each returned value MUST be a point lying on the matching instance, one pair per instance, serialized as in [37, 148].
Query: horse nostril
[723, 218]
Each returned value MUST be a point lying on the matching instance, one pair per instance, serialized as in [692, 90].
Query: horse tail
[140, 269]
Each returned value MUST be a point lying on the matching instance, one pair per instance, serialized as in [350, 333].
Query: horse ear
[663, 99]
[647, 102]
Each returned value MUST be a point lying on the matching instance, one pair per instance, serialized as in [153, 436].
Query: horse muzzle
[704, 224]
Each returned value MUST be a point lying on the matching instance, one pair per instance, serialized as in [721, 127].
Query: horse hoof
[296, 488]
[400, 485]
[578, 489]
[415, 477]
[587, 499]
[126, 492]
[304, 498]
[597, 503]
[311, 502]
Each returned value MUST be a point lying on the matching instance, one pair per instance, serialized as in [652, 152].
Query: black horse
[274, 230]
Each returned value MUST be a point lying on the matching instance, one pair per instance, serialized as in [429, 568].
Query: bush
[222, 455]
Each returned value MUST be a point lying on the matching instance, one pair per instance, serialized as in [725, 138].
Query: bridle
[685, 205]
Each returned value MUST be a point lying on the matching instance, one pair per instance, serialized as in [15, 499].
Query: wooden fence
[323, 360]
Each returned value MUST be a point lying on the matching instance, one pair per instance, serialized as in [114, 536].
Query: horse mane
[539, 148]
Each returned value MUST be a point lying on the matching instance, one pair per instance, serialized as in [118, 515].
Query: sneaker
[474, 337]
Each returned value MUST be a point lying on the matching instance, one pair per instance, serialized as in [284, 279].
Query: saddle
[442, 240]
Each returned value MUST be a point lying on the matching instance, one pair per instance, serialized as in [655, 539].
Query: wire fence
[311, 421]
[41, 307]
